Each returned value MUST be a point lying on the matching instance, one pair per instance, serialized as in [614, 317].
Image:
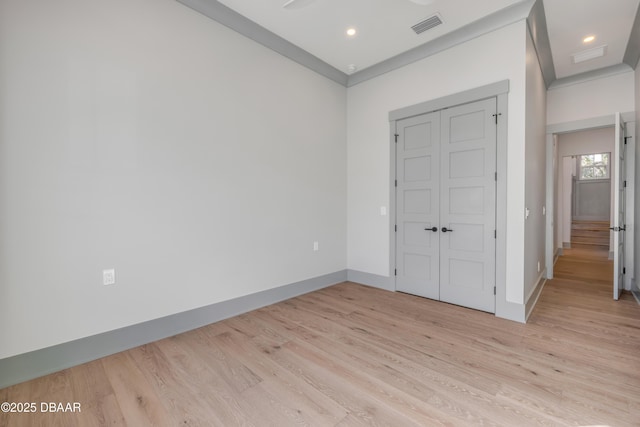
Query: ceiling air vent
[427, 24]
[588, 54]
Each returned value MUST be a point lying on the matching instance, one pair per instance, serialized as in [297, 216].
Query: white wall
[565, 191]
[593, 98]
[591, 141]
[493, 57]
[142, 136]
[535, 166]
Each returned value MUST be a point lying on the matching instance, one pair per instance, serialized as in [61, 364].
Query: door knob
[445, 229]
[434, 229]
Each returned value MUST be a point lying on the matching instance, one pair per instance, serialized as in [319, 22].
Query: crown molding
[231, 19]
[226, 16]
[590, 75]
[632, 54]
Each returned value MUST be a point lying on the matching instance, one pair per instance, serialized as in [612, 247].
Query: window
[594, 166]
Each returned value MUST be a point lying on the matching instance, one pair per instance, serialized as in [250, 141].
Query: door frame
[498, 90]
[628, 118]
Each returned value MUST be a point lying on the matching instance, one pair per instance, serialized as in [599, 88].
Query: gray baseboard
[373, 280]
[535, 295]
[27, 366]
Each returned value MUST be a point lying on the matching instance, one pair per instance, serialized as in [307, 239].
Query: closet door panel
[417, 205]
[467, 205]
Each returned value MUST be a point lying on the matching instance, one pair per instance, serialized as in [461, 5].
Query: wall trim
[471, 95]
[27, 366]
[591, 75]
[534, 295]
[373, 280]
[591, 123]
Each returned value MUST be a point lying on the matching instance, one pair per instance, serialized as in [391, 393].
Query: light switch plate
[109, 277]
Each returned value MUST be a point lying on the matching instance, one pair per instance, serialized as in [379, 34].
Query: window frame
[606, 165]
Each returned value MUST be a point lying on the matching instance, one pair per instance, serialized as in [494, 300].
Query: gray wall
[144, 137]
[535, 165]
[592, 200]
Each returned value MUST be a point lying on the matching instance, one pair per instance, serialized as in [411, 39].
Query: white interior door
[417, 204]
[468, 205]
[618, 221]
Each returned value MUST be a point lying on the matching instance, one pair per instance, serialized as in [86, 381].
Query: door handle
[445, 229]
[434, 229]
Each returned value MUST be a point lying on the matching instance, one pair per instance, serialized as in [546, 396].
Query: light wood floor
[353, 355]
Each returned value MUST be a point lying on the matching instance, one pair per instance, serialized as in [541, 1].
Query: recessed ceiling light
[588, 39]
[351, 32]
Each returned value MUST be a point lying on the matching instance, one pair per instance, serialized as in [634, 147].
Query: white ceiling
[384, 27]
[569, 21]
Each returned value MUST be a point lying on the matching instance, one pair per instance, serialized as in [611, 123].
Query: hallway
[582, 288]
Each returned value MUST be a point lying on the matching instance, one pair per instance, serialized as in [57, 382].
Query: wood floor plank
[92, 389]
[352, 355]
[138, 401]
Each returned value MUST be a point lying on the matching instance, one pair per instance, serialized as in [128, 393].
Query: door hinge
[396, 183]
[494, 290]
[624, 270]
[396, 228]
[625, 139]
[396, 135]
[495, 176]
[496, 116]
[625, 184]
[395, 272]
[495, 234]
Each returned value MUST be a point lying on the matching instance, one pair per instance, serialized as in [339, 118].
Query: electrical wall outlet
[109, 277]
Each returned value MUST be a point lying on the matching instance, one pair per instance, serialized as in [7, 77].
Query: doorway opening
[590, 190]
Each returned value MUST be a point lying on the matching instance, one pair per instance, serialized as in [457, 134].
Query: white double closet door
[446, 205]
